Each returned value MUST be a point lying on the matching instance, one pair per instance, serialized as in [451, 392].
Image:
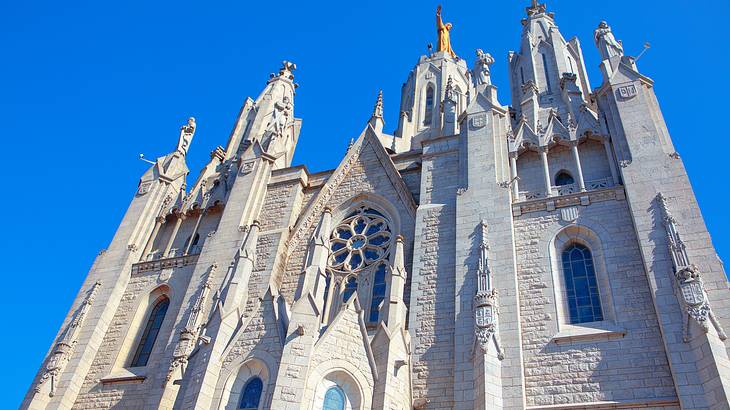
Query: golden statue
[444, 36]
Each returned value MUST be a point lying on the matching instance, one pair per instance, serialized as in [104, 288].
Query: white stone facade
[546, 255]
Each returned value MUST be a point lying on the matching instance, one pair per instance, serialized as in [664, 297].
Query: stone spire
[269, 119]
[376, 120]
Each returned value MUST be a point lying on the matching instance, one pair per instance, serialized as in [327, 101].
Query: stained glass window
[361, 239]
[584, 302]
[350, 288]
[151, 330]
[251, 394]
[378, 292]
[334, 399]
[428, 114]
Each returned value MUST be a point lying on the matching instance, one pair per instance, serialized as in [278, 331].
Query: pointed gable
[261, 331]
[366, 168]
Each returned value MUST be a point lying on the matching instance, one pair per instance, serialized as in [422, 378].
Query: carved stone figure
[607, 44]
[186, 136]
[280, 117]
[481, 67]
[444, 35]
[689, 281]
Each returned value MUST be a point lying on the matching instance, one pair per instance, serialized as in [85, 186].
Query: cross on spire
[536, 8]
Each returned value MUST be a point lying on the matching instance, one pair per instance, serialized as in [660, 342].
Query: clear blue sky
[88, 85]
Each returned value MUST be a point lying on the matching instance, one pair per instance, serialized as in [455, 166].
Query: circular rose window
[361, 239]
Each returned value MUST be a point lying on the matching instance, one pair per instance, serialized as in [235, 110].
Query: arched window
[428, 113]
[350, 288]
[378, 293]
[584, 302]
[334, 399]
[563, 178]
[151, 330]
[251, 394]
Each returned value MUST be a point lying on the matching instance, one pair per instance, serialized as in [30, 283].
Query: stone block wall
[632, 368]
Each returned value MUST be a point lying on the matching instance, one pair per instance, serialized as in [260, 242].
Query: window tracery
[584, 302]
[360, 245]
[151, 331]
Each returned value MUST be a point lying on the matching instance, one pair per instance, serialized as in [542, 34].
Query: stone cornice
[159, 264]
[576, 199]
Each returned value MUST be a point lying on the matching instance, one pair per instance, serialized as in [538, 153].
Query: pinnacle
[378, 109]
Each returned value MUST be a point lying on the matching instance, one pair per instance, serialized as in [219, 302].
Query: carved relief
[65, 346]
[478, 121]
[626, 92]
[485, 301]
[247, 167]
[144, 188]
[688, 279]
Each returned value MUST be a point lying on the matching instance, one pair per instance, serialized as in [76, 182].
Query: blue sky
[88, 85]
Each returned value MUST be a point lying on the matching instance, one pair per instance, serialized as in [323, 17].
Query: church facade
[545, 255]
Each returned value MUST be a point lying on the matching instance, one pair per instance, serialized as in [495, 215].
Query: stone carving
[144, 188]
[186, 136]
[607, 44]
[626, 92]
[481, 67]
[65, 346]
[478, 121]
[189, 334]
[247, 167]
[485, 301]
[280, 117]
[569, 214]
[688, 279]
[449, 92]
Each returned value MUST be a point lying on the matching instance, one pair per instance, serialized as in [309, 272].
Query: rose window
[361, 239]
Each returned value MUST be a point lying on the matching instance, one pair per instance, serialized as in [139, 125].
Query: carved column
[64, 348]
[485, 301]
[688, 280]
[515, 180]
[546, 172]
[611, 160]
[578, 167]
[189, 334]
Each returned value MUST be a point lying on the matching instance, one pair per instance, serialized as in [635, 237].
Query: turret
[548, 73]
[425, 89]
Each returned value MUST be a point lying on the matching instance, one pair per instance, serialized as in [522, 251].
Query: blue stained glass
[251, 394]
[350, 288]
[151, 330]
[334, 399]
[584, 302]
[378, 293]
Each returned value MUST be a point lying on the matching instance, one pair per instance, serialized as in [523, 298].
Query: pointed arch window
[584, 301]
[334, 399]
[251, 394]
[428, 113]
[350, 288]
[378, 295]
[151, 331]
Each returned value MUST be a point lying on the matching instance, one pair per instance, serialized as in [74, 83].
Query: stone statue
[481, 67]
[280, 116]
[444, 35]
[186, 136]
[607, 44]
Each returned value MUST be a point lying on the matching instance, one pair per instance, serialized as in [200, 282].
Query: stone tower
[546, 255]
